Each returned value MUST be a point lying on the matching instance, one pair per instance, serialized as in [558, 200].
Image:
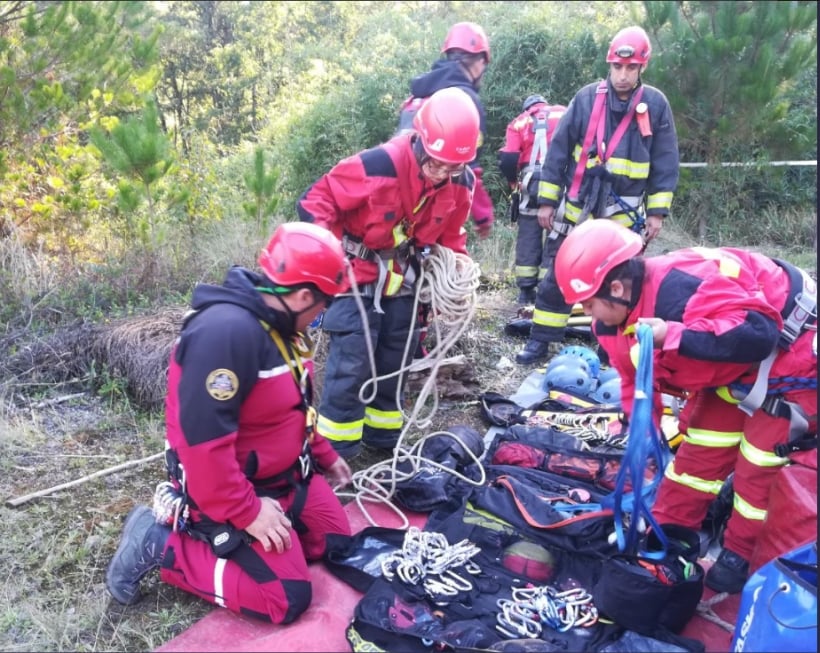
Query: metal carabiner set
[530, 607]
[428, 559]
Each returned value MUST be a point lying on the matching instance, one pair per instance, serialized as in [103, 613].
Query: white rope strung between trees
[449, 283]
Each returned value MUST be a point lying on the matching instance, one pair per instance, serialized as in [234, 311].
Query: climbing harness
[802, 311]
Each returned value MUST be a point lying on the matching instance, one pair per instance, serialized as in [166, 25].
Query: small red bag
[791, 518]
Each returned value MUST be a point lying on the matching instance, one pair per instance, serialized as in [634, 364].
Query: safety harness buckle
[357, 248]
[805, 308]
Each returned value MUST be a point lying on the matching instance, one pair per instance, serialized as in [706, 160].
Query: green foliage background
[147, 145]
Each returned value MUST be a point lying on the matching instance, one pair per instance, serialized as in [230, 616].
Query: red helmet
[448, 125]
[590, 251]
[469, 37]
[301, 252]
[630, 45]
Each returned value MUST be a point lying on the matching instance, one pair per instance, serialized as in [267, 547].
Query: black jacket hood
[239, 288]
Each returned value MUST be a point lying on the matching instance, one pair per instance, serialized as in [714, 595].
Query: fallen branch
[59, 400]
[110, 470]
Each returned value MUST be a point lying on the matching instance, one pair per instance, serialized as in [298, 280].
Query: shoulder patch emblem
[222, 384]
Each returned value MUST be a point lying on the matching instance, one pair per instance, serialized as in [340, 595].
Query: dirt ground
[64, 427]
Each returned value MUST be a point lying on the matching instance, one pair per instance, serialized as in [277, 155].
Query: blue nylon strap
[643, 442]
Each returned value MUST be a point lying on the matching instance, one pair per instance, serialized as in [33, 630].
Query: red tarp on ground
[322, 626]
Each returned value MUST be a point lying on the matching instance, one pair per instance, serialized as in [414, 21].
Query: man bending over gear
[736, 329]
[465, 57]
[613, 156]
[388, 204]
[251, 477]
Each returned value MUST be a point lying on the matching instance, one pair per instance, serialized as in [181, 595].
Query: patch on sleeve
[222, 384]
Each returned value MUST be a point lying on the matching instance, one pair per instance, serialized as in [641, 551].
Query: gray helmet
[607, 374]
[533, 100]
[609, 392]
[573, 377]
[585, 354]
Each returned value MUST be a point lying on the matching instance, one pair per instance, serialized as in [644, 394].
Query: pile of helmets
[577, 369]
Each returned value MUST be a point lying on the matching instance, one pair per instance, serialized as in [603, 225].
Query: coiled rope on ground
[448, 281]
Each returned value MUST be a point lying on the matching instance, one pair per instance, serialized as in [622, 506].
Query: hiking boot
[519, 327]
[526, 296]
[534, 351]
[140, 551]
[729, 573]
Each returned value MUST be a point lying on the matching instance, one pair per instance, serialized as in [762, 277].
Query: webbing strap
[605, 149]
[594, 119]
[643, 441]
[804, 308]
[539, 146]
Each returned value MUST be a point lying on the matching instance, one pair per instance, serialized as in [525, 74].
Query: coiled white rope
[448, 282]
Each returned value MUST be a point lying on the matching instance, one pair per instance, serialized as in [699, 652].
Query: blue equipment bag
[778, 607]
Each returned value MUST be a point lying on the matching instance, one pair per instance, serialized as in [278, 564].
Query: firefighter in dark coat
[614, 156]
[733, 330]
[250, 496]
[520, 159]
[387, 204]
[466, 55]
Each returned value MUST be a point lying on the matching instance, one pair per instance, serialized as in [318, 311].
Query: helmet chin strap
[636, 285]
[293, 316]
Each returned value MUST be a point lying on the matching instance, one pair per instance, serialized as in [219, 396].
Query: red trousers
[720, 438]
[278, 588]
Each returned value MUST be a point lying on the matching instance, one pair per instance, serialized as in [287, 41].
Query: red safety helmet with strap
[630, 45]
[590, 251]
[469, 37]
[300, 253]
[448, 126]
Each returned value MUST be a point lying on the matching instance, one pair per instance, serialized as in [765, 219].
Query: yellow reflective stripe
[548, 191]
[622, 219]
[547, 319]
[525, 270]
[340, 431]
[760, 457]
[659, 200]
[723, 392]
[627, 168]
[542, 272]
[383, 419]
[746, 509]
[729, 266]
[398, 231]
[393, 283]
[572, 212]
[716, 439]
[687, 480]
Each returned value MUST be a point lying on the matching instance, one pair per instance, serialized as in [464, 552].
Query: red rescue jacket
[381, 192]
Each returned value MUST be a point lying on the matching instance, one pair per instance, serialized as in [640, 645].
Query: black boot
[519, 327]
[534, 351]
[729, 573]
[140, 551]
